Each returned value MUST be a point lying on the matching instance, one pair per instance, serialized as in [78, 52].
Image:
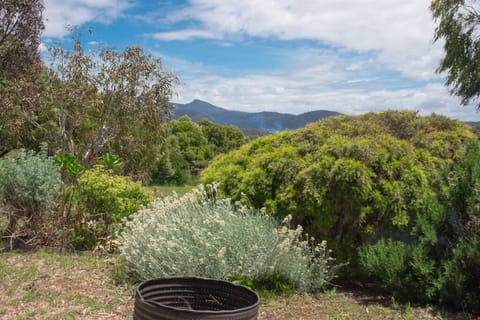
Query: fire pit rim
[185, 280]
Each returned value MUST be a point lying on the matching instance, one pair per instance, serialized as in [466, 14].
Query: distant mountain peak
[196, 101]
[265, 121]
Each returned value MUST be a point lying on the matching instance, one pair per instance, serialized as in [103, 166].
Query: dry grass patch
[41, 285]
[347, 304]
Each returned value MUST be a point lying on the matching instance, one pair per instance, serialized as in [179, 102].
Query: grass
[162, 191]
[43, 285]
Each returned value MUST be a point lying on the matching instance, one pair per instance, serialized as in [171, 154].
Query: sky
[289, 56]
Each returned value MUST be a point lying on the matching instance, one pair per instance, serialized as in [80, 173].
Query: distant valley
[249, 121]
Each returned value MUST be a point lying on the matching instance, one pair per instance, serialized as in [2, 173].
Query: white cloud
[59, 14]
[363, 58]
[399, 32]
[184, 35]
[330, 84]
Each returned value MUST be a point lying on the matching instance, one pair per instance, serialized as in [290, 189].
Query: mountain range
[264, 121]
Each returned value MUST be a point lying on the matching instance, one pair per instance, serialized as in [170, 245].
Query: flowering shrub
[200, 235]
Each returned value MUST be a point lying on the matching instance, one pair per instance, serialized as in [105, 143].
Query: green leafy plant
[395, 194]
[186, 151]
[223, 138]
[112, 162]
[71, 169]
[457, 27]
[202, 235]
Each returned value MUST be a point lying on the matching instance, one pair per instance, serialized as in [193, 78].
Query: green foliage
[26, 118]
[458, 25]
[201, 235]
[71, 169]
[98, 205]
[223, 138]
[462, 267]
[350, 180]
[404, 269]
[396, 194]
[440, 259]
[29, 181]
[186, 151]
[111, 196]
[89, 103]
[112, 162]
[111, 101]
[172, 168]
[388, 259]
[192, 143]
[189, 147]
[29, 186]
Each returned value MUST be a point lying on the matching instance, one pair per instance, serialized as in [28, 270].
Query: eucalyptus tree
[458, 24]
[111, 101]
[20, 27]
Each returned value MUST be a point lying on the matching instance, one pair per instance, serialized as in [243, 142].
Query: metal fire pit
[194, 299]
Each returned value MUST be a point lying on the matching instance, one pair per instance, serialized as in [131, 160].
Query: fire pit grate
[194, 298]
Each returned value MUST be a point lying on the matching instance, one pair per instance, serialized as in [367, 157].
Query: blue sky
[290, 56]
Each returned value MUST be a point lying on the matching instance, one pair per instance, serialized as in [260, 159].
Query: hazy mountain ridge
[473, 123]
[264, 121]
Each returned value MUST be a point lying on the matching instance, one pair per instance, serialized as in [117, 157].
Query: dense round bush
[349, 179]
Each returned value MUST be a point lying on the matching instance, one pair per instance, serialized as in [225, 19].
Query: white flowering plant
[201, 235]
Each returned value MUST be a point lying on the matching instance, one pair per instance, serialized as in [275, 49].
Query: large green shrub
[29, 186]
[200, 235]
[348, 179]
[111, 196]
[185, 152]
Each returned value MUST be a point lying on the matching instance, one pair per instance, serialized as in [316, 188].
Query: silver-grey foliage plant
[29, 186]
[201, 235]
